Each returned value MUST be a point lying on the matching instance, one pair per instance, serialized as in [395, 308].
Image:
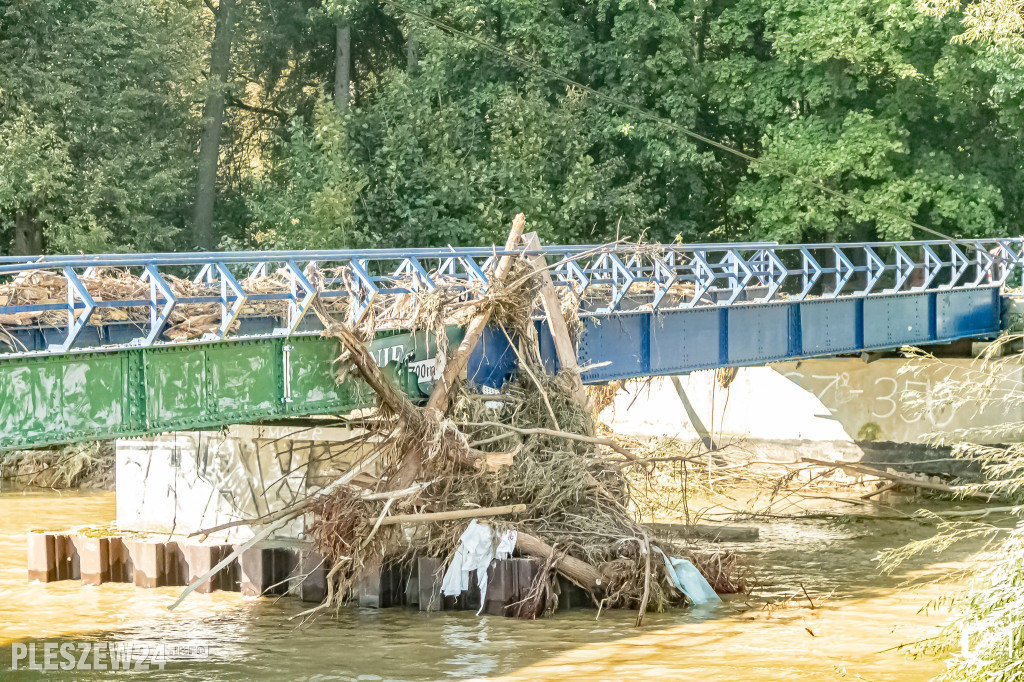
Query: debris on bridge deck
[527, 461]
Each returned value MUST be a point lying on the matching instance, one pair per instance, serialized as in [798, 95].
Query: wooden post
[94, 559]
[439, 399]
[148, 563]
[313, 571]
[428, 572]
[556, 321]
[431, 517]
[42, 557]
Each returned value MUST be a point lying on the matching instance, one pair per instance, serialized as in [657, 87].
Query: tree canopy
[342, 123]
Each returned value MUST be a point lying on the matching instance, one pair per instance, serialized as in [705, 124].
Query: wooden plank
[439, 399]
[556, 321]
[701, 531]
[431, 517]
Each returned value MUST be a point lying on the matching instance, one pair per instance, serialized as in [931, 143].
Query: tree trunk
[343, 67]
[412, 50]
[28, 234]
[213, 120]
[587, 576]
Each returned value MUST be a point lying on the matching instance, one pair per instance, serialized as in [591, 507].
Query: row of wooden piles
[299, 571]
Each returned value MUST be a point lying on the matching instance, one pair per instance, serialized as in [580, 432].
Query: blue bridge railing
[65, 299]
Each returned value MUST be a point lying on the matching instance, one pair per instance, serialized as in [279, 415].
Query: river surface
[859, 620]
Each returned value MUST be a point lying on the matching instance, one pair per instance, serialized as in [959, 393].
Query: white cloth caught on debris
[478, 546]
[689, 580]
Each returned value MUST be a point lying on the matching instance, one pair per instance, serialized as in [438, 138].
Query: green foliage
[867, 159]
[308, 202]
[96, 123]
[891, 104]
[869, 100]
[985, 640]
[991, 628]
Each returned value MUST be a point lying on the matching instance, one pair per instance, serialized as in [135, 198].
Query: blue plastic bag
[689, 580]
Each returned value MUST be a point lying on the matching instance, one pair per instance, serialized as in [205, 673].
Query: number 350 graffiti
[884, 396]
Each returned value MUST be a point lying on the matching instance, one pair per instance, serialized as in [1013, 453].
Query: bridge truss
[79, 359]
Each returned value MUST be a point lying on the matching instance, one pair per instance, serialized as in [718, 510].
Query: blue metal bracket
[844, 270]
[76, 321]
[158, 315]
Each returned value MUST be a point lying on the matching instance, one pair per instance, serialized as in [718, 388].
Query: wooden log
[878, 491]
[585, 575]
[898, 479]
[440, 399]
[607, 442]
[366, 366]
[564, 348]
[700, 531]
[450, 515]
[492, 461]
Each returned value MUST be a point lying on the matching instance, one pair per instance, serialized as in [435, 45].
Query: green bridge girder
[57, 399]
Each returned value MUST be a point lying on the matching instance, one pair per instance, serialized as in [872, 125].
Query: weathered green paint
[87, 396]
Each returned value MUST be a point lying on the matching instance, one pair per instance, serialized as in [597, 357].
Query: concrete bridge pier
[841, 409]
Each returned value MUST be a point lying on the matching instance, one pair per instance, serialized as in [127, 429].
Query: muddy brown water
[851, 634]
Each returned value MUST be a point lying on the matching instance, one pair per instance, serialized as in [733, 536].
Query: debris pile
[526, 461]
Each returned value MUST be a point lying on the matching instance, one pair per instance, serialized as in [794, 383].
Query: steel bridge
[93, 363]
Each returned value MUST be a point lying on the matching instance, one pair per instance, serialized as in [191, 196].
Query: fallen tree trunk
[896, 478]
[556, 321]
[585, 575]
[440, 399]
[703, 531]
